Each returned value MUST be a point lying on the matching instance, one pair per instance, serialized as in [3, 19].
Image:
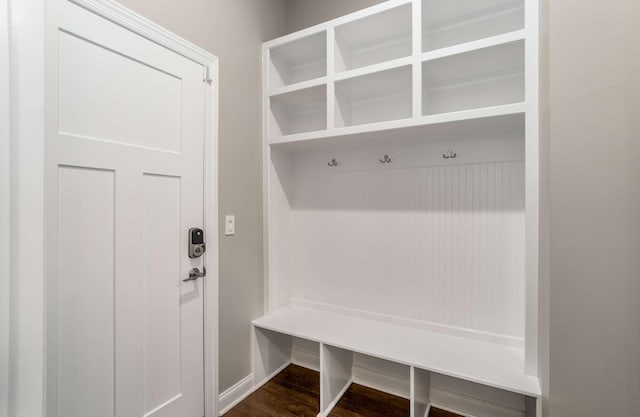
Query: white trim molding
[5, 210]
[27, 284]
[231, 397]
[468, 406]
[132, 21]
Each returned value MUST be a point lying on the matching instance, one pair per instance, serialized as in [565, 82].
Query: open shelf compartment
[299, 60]
[374, 39]
[274, 352]
[298, 111]
[434, 390]
[447, 23]
[484, 78]
[375, 97]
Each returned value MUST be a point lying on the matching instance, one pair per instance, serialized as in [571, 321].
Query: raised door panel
[97, 101]
[161, 308]
[86, 259]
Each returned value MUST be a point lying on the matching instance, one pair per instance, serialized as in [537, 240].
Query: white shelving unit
[401, 204]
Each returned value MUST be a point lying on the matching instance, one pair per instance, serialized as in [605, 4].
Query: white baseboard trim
[335, 401]
[231, 397]
[242, 389]
[468, 406]
[500, 339]
[427, 411]
[381, 381]
[268, 378]
[306, 359]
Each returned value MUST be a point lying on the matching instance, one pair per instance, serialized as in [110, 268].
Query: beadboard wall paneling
[440, 244]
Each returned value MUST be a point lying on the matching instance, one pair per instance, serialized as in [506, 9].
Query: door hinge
[207, 75]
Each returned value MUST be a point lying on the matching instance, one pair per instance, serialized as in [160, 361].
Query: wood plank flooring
[295, 392]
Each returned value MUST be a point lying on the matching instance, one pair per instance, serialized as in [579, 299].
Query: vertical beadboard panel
[440, 244]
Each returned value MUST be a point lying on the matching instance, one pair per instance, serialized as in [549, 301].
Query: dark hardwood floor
[295, 392]
[362, 401]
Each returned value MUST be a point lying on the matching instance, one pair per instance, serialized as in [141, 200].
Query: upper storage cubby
[483, 78]
[298, 111]
[299, 60]
[372, 98]
[447, 23]
[374, 39]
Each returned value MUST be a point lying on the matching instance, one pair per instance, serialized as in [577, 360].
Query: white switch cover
[230, 225]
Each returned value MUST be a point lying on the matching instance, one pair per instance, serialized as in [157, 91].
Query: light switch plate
[229, 225]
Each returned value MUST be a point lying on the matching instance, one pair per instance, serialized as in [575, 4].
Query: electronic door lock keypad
[197, 246]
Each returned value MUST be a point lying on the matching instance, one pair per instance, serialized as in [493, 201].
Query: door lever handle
[195, 273]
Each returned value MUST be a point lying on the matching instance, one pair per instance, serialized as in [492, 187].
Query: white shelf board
[481, 362]
[475, 45]
[297, 86]
[371, 69]
[410, 128]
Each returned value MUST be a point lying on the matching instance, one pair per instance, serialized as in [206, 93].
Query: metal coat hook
[450, 154]
[333, 163]
[385, 160]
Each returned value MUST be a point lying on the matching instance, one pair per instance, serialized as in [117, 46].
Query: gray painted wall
[594, 171]
[234, 31]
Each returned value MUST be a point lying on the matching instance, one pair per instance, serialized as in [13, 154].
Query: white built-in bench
[425, 352]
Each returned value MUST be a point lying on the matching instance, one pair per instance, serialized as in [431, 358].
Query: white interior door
[125, 185]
